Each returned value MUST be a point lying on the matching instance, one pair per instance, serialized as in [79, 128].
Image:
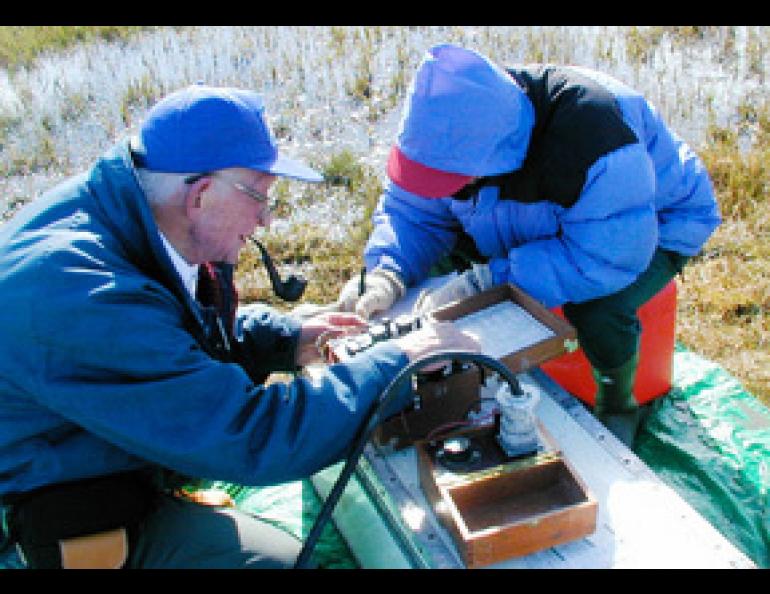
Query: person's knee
[181, 534]
[608, 331]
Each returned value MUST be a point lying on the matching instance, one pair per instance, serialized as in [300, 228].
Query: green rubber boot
[616, 406]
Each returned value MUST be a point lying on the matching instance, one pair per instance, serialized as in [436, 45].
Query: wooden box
[508, 509]
[539, 334]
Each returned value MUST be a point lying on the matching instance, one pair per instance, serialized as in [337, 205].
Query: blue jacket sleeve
[604, 241]
[157, 396]
[688, 211]
[410, 233]
[266, 340]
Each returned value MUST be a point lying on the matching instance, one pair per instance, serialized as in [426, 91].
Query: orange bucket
[572, 371]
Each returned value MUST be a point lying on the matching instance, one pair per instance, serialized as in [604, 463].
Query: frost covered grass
[333, 97]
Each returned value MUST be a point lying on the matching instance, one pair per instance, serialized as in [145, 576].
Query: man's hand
[470, 282]
[382, 288]
[436, 336]
[325, 326]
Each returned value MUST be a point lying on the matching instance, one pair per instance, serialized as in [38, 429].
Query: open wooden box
[507, 509]
[540, 334]
[524, 335]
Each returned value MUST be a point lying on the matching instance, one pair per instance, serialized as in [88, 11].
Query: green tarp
[294, 507]
[708, 439]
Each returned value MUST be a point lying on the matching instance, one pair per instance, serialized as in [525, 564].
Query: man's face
[227, 211]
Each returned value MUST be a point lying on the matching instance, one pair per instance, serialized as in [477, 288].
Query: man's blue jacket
[101, 371]
[595, 180]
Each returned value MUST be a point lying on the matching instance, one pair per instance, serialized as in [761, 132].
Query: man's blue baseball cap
[201, 128]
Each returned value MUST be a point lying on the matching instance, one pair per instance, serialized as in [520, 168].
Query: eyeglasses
[250, 192]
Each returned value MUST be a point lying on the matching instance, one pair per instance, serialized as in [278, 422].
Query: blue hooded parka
[102, 368]
[590, 180]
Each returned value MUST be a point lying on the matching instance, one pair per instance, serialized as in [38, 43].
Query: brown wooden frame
[446, 402]
[510, 509]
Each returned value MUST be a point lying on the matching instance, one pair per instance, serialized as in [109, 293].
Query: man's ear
[194, 191]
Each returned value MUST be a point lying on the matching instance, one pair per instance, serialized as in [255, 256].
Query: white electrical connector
[518, 430]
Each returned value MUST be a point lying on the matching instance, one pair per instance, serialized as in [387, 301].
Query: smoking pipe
[290, 289]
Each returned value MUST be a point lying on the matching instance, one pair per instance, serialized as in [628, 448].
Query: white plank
[641, 522]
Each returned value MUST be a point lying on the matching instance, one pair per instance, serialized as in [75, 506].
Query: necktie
[216, 289]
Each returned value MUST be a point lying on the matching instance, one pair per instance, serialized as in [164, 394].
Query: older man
[114, 377]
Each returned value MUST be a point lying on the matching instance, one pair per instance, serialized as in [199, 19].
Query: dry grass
[327, 262]
[724, 301]
[19, 46]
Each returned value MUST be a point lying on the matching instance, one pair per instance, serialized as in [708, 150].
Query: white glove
[382, 288]
[470, 282]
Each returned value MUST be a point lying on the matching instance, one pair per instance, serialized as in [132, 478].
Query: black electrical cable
[370, 424]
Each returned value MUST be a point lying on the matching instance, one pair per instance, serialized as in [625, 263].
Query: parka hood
[465, 115]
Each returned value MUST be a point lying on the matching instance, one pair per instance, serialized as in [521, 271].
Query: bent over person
[560, 180]
[126, 365]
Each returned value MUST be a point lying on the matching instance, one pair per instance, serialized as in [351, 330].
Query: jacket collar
[119, 195]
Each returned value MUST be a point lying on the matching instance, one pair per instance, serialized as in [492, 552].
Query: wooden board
[640, 522]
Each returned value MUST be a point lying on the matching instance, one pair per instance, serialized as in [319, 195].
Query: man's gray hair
[159, 186]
